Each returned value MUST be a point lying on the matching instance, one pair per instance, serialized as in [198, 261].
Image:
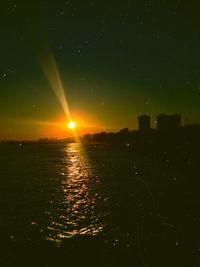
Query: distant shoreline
[35, 142]
[124, 136]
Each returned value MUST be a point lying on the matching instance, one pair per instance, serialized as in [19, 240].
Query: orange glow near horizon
[57, 126]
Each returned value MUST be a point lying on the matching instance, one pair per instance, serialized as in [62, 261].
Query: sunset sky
[116, 60]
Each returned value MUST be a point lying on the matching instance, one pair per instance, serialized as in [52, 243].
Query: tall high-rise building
[144, 123]
[168, 122]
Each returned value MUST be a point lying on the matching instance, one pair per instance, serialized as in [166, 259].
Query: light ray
[52, 74]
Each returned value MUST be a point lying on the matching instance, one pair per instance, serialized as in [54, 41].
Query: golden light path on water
[76, 213]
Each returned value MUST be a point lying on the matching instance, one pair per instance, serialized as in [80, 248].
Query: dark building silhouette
[144, 123]
[175, 121]
[124, 131]
[168, 122]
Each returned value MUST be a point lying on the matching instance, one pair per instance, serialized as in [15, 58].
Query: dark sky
[117, 60]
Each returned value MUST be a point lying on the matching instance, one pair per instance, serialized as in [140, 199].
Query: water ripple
[76, 210]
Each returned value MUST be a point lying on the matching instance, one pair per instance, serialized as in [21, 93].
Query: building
[175, 121]
[144, 123]
[168, 122]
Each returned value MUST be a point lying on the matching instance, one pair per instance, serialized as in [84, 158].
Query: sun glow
[72, 125]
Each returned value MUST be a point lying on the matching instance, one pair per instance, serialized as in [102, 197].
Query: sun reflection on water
[75, 214]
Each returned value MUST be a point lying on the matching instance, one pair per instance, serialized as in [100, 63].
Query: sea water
[71, 195]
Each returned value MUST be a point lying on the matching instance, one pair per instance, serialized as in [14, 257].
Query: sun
[72, 125]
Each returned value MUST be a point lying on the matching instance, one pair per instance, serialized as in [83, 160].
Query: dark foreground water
[73, 205]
